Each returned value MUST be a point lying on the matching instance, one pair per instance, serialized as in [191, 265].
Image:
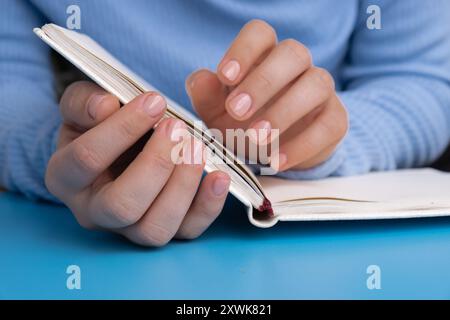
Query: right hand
[113, 177]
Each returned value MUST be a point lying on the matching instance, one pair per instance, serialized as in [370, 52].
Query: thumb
[84, 105]
[207, 94]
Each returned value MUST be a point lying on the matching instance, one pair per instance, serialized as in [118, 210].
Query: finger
[317, 159]
[284, 64]
[207, 94]
[160, 223]
[84, 105]
[254, 40]
[79, 163]
[123, 202]
[311, 90]
[327, 130]
[67, 134]
[206, 207]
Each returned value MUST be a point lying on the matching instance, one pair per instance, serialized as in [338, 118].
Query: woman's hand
[264, 85]
[113, 176]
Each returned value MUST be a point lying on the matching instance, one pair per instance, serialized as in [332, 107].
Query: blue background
[233, 260]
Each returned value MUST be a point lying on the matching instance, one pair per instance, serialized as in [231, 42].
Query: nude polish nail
[93, 104]
[231, 70]
[240, 104]
[154, 105]
[190, 83]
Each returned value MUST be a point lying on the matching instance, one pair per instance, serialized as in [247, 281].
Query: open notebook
[389, 195]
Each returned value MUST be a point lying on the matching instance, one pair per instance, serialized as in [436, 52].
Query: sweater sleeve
[395, 86]
[29, 117]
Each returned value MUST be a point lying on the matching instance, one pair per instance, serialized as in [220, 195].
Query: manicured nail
[231, 70]
[240, 104]
[176, 130]
[282, 160]
[262, 129]
[190, 83]
[220, 186]
[154, 105]
[93, 104]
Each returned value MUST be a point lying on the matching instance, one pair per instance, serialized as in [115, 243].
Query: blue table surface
[233, 260]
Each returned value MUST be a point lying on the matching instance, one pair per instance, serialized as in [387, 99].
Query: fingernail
[176, 130]
[190, 82]
[262, 129]
[154, 105]
[240, 104]
[93, 104]
[282, 160]
[231, 70]
[220, 186]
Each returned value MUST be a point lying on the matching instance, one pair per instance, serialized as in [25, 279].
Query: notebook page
[395, 186]
[104, 55]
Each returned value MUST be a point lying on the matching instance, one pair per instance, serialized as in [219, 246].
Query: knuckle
[161, 162]
[300, 51]
[262, 27]
[343, 122]
[335, 125]
[84, 158]
[122, 210]
[129, 129]
[153, 234]
[205, 210]
[324, 79]
[329, 128]
[263, 79]
[308, 147]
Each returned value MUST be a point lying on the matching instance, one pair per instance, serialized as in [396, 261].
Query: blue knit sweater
[394, 81]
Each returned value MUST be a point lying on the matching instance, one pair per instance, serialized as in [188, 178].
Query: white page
[379, 187]
[97, 50]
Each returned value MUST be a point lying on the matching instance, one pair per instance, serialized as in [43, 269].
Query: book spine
[266, 208]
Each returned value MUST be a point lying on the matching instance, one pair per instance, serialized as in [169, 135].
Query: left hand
[115, 175]
[266, 85]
